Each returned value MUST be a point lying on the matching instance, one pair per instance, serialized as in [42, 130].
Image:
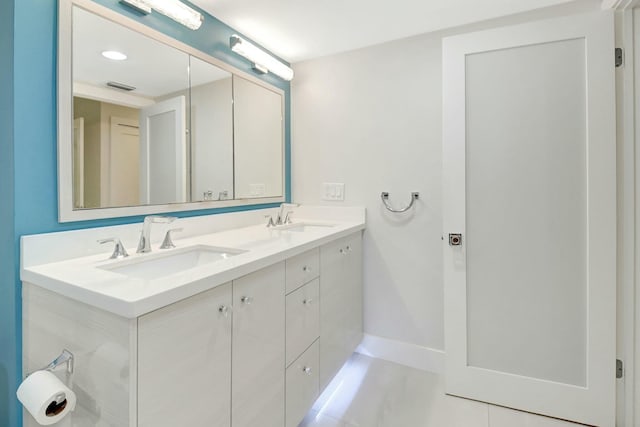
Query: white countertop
[83, 279]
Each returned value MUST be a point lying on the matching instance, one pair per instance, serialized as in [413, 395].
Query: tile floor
[371, 392]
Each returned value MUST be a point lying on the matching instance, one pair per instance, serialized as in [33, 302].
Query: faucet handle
[270, 222]
[167, 243]
[118, 251]
[287, 217]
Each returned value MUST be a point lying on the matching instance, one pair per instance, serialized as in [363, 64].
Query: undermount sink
[305, 226]
[175, 261]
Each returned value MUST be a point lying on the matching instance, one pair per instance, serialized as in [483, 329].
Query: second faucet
[144, 245]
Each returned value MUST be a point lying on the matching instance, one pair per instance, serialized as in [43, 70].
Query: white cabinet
[184, 355]
[340, 303]
[222, 358]
[259, 349]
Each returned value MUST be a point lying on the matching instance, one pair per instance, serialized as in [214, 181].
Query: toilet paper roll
[46, 398]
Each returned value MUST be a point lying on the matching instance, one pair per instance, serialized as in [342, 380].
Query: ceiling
[153, 68]
[297, 30]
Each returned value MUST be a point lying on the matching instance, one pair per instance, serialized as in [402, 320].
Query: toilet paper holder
[66, 357]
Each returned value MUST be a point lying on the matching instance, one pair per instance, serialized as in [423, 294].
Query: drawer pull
[306, 370]
[306, 269]
[224, 310]
[307, 301]
[246, 300]
[342, 251]
[348, 248]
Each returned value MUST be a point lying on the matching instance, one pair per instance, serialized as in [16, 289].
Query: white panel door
[163, 152]
[124, 162]
[530, 183]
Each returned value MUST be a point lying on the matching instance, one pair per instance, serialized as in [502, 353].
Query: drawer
[303, 319]
[302, 269]
[302, 385]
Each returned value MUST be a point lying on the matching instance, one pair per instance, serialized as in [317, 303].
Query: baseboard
[412, 355]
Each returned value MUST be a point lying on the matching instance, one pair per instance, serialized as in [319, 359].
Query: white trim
[626, 220]
[618, 4]
[632, 119]
[403, 353]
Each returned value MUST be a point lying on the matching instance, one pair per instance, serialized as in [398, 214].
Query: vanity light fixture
[114, 55]
[173, 9]
[139, 5]
[262, 61]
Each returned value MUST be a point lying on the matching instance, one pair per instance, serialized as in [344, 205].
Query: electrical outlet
[333, 191]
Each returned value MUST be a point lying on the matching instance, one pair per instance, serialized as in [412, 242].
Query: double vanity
[218, 320]
[239, 325]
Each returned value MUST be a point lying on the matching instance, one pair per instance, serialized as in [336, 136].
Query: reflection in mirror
[258, 140]
[148, 124]
[129, 111]
[211, 132]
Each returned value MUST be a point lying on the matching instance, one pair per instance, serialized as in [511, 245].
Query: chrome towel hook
[385, 197]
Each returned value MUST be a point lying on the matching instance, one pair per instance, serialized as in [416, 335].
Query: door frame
[78, 162]
[601, 346]
[628, 348]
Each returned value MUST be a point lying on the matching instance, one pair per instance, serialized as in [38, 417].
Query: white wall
[372, 119]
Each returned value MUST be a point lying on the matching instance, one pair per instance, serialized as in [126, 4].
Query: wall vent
[121, 86]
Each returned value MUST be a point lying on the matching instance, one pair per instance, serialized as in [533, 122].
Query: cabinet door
[184, 362]
[353, 279]
[340, 304]
[303, 319]
[259, 348]
[302, 385]
[302, 269]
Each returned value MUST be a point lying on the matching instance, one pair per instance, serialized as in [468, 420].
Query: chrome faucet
[144, 245]
[280, 219]
[283, 218]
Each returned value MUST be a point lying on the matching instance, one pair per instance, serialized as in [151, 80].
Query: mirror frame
[66, 212]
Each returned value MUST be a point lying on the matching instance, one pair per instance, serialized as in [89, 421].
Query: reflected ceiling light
[114, 55]
[262, 61]
[173, 9]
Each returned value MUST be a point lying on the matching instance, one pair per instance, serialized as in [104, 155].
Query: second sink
[304, 226]
[172, 262]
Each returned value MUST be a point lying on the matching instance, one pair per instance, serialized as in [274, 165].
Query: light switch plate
[333, 191]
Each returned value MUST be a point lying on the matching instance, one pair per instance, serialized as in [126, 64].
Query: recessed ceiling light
[114, 54]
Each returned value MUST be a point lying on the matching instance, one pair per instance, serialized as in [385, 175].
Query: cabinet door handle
[306, 370]
[348, 248]
[307, 301]
[306, 269]
[224, 310]
[342, 251]
[246, 300]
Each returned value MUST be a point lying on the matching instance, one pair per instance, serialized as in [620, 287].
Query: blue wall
[9, 337]
[28, 162]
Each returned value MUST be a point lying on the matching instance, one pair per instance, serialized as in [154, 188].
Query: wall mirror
[148, 124]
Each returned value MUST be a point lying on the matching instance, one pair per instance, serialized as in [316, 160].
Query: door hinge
[619, 368]
[619, 57]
